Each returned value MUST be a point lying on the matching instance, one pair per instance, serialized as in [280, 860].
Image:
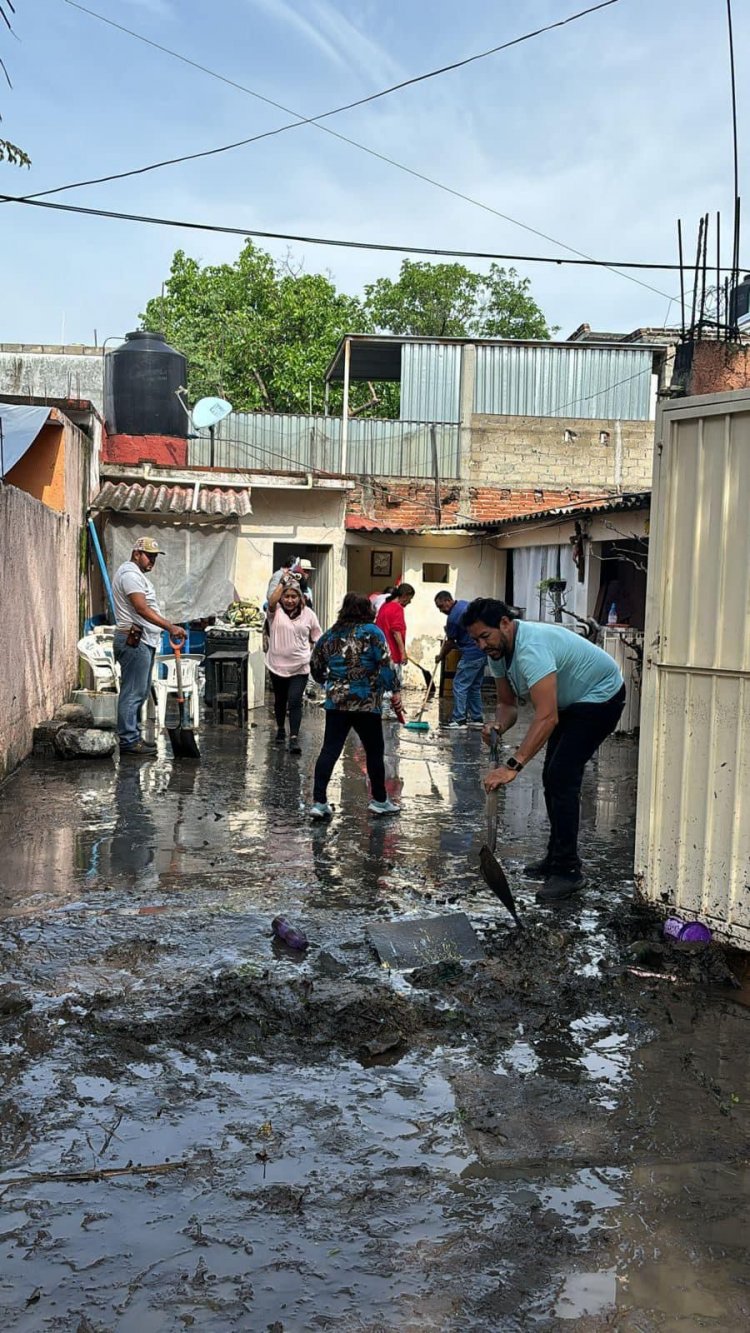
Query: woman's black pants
[288, 693]
[369, 728]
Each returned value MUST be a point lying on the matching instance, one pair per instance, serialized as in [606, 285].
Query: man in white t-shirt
[137, 637]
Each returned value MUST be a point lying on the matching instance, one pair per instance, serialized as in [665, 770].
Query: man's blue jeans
[136, 665]
[467, 690]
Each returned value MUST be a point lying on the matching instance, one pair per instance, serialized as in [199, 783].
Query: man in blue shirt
[577, 693]
[467, 682]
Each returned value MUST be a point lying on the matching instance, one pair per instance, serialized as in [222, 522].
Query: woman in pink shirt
[293, 629]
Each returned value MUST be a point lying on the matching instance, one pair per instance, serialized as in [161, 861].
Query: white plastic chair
[164, 686]
[97, 650]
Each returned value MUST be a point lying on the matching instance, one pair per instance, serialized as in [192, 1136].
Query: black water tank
[140, 382]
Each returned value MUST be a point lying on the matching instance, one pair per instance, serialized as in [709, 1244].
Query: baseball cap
[304, 564]
[148, 545]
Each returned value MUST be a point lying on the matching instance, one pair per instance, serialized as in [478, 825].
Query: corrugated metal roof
[211, 501]
[609, 505]
[355, 523]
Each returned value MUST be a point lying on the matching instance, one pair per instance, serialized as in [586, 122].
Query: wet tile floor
[552, 1141]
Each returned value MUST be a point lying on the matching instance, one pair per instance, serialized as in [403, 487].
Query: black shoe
[539, 869]
[560, 885]
[280, 737]
[142, 748]
[294, 745]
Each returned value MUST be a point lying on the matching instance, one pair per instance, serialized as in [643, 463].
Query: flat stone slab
[433, 939]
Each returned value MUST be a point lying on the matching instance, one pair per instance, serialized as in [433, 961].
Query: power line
[301, 120]
[333, 241]
[315, 120]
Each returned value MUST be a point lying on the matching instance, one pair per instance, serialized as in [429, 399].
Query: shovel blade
[183, 742]
[494, 878]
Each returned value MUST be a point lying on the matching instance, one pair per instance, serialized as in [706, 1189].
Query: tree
[10, 152]
[451, 301]
[258, 333]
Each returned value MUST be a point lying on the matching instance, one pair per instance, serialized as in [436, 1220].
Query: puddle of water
[587, 1294]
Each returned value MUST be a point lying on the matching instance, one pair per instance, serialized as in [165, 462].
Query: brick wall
[719, 367]
[168, 450]
[411, 504]
[534, 451]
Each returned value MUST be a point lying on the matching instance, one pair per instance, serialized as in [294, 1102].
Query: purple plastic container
[690, 932]
[289, 934]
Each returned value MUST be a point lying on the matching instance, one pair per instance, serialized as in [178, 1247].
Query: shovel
[182, 737]
[492, 871]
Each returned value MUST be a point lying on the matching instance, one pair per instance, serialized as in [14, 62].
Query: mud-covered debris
[12, 1000]
[74, 715]
[436, 975]
[84, 743]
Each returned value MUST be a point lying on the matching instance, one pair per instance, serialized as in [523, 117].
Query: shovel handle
[176, 649]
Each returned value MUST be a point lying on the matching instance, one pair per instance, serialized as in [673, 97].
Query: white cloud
[285, 11]
[159, 8]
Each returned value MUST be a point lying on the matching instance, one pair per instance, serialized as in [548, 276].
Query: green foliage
[10, 152]
[261, 334]
[450, 301]
[255, 332]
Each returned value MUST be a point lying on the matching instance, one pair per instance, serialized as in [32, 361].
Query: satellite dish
[209, 412]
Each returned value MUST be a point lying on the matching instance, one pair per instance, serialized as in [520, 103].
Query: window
[432, 573]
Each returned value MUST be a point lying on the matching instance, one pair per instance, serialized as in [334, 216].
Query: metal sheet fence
[693, 819]
[430, 381]
[606, 383]
[282, 442]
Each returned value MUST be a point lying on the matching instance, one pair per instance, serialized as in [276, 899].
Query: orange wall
[41, 471]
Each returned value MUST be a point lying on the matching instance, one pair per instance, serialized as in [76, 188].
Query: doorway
[321, 583]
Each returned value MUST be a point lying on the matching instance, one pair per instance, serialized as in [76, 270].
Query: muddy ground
[201, 1130]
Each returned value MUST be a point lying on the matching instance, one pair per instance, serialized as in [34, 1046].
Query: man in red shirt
[391, 620]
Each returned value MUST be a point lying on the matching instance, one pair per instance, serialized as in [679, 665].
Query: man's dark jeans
[136, 665]
[579, 733]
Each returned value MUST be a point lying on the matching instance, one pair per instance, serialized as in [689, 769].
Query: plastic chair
[97, 651]
[163, 686]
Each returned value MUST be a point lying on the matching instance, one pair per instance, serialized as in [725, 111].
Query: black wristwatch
[513, 763]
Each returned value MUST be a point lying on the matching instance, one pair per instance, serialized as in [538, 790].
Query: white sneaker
[321, 810]
[385, 807]
[476, 725]
[456, 726]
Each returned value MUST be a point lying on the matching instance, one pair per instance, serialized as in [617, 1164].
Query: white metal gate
[693, 819]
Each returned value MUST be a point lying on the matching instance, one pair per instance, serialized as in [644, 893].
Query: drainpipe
[345, 416]
[102, 567]
[618, 455]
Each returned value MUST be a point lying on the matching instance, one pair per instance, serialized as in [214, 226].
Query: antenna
[207, 413]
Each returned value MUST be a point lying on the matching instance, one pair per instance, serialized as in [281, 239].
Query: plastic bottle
[612, 617]
[289, 934]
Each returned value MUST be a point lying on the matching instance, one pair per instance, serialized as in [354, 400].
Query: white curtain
[532, 564]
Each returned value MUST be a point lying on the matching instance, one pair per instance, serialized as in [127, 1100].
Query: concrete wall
[534, 451]
[46, 371]
[474, 569]
[40, 583]
[41, 471]
[301, 517]
[39, 589]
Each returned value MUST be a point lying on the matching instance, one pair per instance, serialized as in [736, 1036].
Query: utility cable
[333, 241]
[315, 120]
[301, 120]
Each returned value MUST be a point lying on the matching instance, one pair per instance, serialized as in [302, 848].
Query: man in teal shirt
[578, 695]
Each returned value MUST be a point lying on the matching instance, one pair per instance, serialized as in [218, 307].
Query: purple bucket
[690, 932]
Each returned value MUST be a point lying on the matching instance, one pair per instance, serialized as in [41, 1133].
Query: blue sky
[600, 134]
